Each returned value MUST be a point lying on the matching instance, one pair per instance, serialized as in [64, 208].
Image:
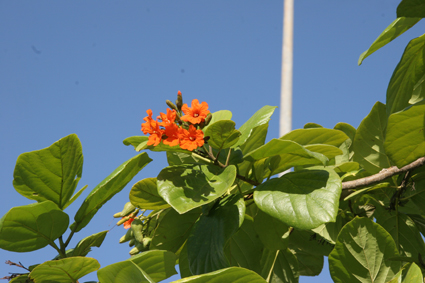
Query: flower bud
[208, 119]
[171, 105]
[179, 101]
[122, 220]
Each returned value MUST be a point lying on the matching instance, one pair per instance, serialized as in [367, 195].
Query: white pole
[287, 62]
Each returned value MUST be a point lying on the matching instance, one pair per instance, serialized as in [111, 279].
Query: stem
[69, 239]
[62, 254]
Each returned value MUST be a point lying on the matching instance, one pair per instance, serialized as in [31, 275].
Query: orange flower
[195, 114]
[147, 127]
[156, 134]
[191, 139]
[172, 133]
[168, 118]
[127, 224]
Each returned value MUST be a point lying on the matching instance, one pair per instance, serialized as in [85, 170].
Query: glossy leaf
[144, 195]
[411, 8]
[273, 233]
[173, 229]
[368, 143]
[179, 158]
[106, 189]
[51, 173]
[222, 134]
[84, 246]
[186, 187]
[205, 246]
[414, 274]
[396, 28]
[64, 270]
[408, 72]
[302, 200]
[261, 117]
[150, 266]
[349, 130]
[405, 139]
[279, 266]
[231, 274]
[243, 248]
[316, 136]
[361, 253]
[329, 151]
[218, 116]
[135, 141]
[32, 227]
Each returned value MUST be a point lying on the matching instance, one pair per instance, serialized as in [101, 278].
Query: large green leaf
[303, 200]
[231, 274]
[32, 227]
[260, 117]
[279, 266]
[144, 195]
[243, 248]
[396, 28]
[405, 140]
[84, 246]
[368, 143]
[51, 173]
[308, 264]
[173, 229]
[64, 270]
[316, 136]
[135, 141]
[414, 274]
[309, 242]
[185, 187]
[106, 189]
[292, 152]
[361, 253]
[257, 138]
[411, 8]
[184, 263]
[205, 246]
[329, 151]
[150, 266]
[272, 232]
[218, 116]
[222, 134]
[408, 72]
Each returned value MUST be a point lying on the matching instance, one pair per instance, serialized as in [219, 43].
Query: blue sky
[94, 67]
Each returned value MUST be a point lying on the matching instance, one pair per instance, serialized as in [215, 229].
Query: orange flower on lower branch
[195, 114]
[191, 139]
[172, 135]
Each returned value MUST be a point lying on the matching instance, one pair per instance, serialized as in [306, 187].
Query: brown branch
[384, 174]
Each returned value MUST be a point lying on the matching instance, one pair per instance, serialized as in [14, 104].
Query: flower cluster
[174, 128]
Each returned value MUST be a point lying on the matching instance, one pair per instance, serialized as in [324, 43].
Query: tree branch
[384, 174]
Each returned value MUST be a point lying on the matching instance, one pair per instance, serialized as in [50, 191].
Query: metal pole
[287, 62]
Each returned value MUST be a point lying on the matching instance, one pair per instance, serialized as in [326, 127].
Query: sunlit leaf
[414, 274]
[84, 246]
[144, 195]
[218, 116]
[222, 134]
[231, 274]
[316, 136]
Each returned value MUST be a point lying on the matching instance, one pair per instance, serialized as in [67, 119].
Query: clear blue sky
[94, 67]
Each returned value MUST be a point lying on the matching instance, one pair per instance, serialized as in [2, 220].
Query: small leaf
[411, 8]
[84, 246]
[144, 195]
[408, 72]
[405, 139]
[303, 200]
[186, 187]
[106, 189]
[222, 134]
[316, 136]
[64, 270]
[368, 144]
[135, 141]
[51, 173]
[32, 227]
[231, 274]
[218, 116]
[396, 28]
[361, 253]
[214, 228]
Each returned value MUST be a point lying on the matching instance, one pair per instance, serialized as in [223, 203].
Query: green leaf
[257, 138]
[316, 136]
[184, 263]
[243, 247]
[179, 158]
[329, 151]
[218, 116]
[136, 141]
[75, 196]
[308, 264]
[408, 72]
[273, 233]
[260, 117]
[144, 195]
[64, 270]
[368, 143]
[349, 130]
[309, 242]
[32, 227]
[405, 140]
[396, 28]
[173, 230]
[51, 173]
[414, 274]
[106, 189]
[285, 268]
[411, 8]
[303, 200]
[312, 125]
[150, 266]
[186, 187]
[222, 134]
[84, 246]
[205, 246]
[231, 274]
[20, 279]
[361, 253]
